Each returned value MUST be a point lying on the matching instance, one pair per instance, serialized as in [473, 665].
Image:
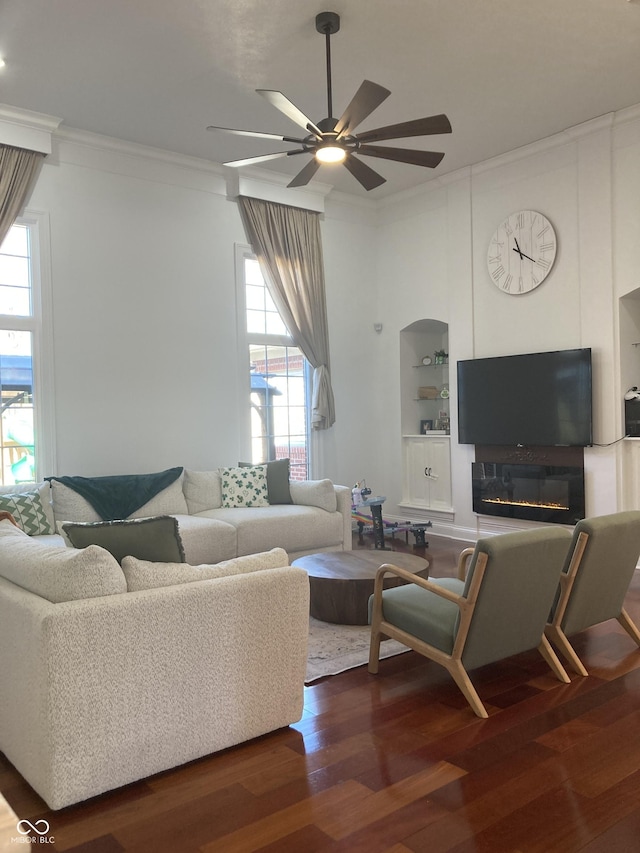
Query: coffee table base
[341, 582]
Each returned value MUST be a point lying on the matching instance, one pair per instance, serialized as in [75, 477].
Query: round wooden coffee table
[342, 581]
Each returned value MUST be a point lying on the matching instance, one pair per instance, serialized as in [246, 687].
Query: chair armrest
[463, 562]
[425, 583]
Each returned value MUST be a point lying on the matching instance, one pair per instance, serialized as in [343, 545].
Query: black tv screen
[541, 398]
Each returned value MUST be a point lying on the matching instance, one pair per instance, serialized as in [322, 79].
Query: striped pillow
[28, 511]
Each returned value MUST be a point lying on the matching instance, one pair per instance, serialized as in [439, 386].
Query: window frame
[39, 324]
[245, 338]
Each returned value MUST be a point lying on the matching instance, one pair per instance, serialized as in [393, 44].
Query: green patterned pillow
[244, 486]
[28, 512]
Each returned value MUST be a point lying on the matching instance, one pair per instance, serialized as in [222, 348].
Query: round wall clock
[521, 252]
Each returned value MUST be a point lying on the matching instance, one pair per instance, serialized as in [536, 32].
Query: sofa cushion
[43, 489]
[278, 491]
[141, 574]
[55, 573]
[68, 504]
[244, 487]
[156, 539]
[294, 528]
[202, 490]
[206, 540]
[28, 512]
[320, 493]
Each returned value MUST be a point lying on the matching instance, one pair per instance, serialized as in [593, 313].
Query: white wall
[586, 181]
[144, 313]
[142, 251]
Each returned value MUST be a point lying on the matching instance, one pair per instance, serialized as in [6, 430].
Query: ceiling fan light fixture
[330, 154]
[332, 140]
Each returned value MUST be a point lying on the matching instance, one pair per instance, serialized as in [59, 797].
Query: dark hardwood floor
[398, 762]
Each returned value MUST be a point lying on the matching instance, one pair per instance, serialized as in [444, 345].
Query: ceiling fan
[333, 140]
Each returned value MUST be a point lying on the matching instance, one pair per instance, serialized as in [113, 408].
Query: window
[278, 375]
[21, 343]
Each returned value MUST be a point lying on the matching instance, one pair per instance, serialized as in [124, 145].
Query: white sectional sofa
[319, 519]
[102, 686]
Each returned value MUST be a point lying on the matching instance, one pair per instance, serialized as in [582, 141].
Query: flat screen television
[541, 398]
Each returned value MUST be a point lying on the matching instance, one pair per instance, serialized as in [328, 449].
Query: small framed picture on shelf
[425, 427]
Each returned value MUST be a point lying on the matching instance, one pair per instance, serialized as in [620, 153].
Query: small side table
[375, 504]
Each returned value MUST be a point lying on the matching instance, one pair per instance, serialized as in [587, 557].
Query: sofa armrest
[105, 691]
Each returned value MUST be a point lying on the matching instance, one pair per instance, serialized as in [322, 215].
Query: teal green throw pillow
[278, 474]
[154, 539]
[28, 512]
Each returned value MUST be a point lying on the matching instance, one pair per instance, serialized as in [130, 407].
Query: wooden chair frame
[453, 662]
[553, 629]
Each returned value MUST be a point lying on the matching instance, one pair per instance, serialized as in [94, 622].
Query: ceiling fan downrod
[328, 23]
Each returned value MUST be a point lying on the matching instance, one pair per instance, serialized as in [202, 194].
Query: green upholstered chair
[594, 582]
[499, 610]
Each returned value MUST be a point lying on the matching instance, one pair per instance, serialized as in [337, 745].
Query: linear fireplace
[535, 484]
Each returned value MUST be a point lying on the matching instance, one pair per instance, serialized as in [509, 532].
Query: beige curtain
[19, 169]
[288, 245]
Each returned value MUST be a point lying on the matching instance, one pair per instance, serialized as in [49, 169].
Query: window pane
[275, 326]
[252, 274]
[16, 401]
[278, 405]
[255, 322]
[14, 270]
[278, 396]
[17, 241]
[255, 298]
[15, 301]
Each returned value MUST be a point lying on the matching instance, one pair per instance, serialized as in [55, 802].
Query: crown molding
[26, 129]
[272, 186]
[570, 134]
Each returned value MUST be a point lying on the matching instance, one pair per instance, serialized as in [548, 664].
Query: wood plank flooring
[398, 762]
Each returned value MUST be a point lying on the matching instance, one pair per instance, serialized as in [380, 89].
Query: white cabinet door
[427, 472]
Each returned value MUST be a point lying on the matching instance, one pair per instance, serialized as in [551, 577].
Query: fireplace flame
[538, 504]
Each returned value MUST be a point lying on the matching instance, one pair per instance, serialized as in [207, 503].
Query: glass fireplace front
[535, 492]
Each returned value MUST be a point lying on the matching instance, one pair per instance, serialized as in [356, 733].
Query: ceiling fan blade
[304, 176]
[363, 173]
[418, 127]
[368, 97]
[262, 158]
[282, 103]
[403, 155]
[256, 133]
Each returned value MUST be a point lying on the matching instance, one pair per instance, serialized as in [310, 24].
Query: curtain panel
[19, 170]
[288, 245]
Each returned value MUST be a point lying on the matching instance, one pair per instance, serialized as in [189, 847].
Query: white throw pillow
[142, 574]
[202, 491]
[244, 486]
[55, 573]
[320, 493]
[69, 505]
[169, 501]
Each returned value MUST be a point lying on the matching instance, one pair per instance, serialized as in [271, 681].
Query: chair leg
[459, 675]
[629, 626]
[557, 636]
[552, 659]
[374, 650]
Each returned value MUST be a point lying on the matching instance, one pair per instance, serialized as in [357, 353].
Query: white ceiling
[157, 72]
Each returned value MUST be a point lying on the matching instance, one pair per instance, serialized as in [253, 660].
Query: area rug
[336, 648]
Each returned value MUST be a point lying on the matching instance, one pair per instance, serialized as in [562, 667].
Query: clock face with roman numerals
[521, 252]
